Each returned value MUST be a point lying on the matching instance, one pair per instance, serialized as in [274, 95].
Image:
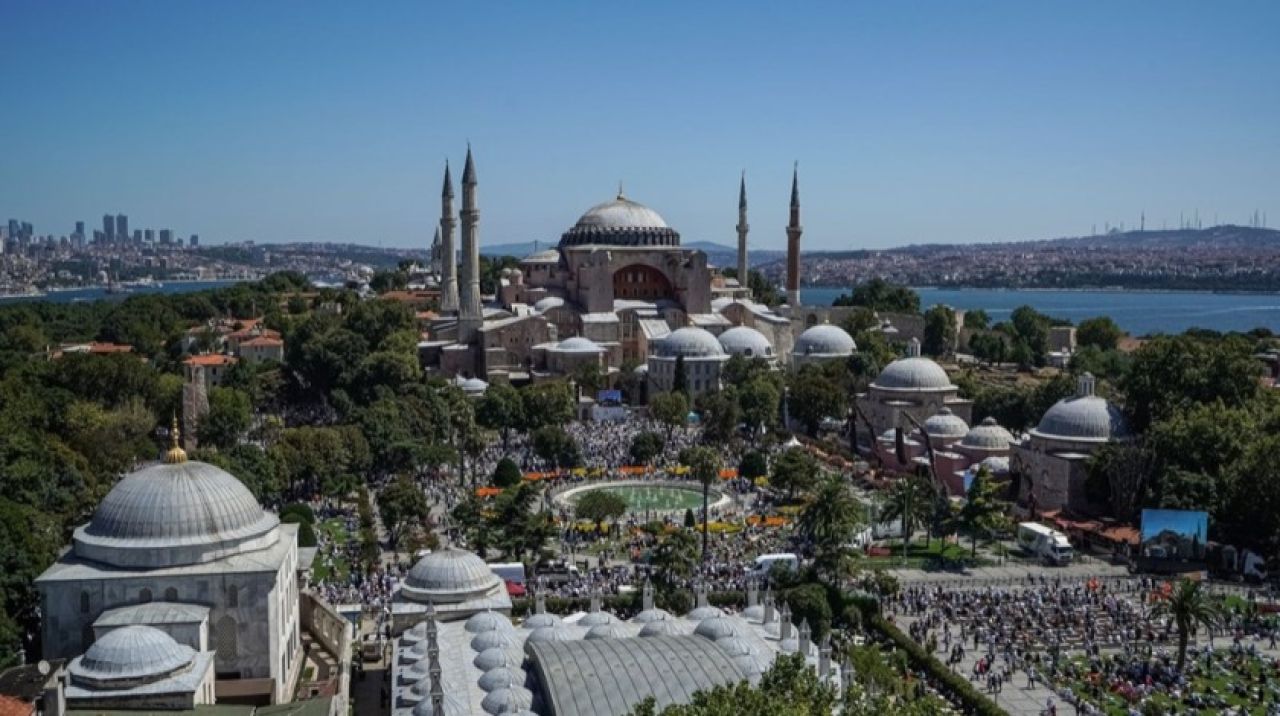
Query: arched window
[225, 638]
[84, 602]
[233, 596]
[171, 594]
[144, 596]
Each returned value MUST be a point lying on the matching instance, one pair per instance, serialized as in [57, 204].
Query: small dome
[496, 638]
[824, 340]
[454, 701]
[988, 435]
[738, 646]
[747, 342]
[499, 678]
[131, 653]
[946, 424]
[755, 614]
[551, 633]
[702, 613]
[663, 627]
[471, 386]
[578, 344]
[690, 342]
[1087, 418]
[494, 658]
[996, 464]
[487, 621]
[717, 628]
[153, 513]
[913, 373]
[596, 619]
[537, 621]
[546, 304]
[651, 615]
[448, 574]
[613, 630]
[507, 700]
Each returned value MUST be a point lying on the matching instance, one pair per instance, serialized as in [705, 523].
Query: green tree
[758, 401]
[600, 506]
[976, 319]
[795, 470]
[555, 446]
[1169, 374]
[909, 500]
[939, 330]
[720, 415]
[813, 397]
[829, 522]
[753, 465]
[675, 556]
[680, 381]
[646, 447]
[1189, 607]
[506, 474]
[704, 466]
[809, 603]
[982, 512]
[502, 410]
[1100, 332]
[546, 404]
[590, 378]
[669, 409]
[230, 414]
[879, 295]
[403, 506]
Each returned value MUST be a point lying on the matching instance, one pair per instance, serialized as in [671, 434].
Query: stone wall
[336, 635]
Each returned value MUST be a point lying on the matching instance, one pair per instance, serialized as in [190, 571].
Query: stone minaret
[742, 231]
[433, 257]
[448, 255]
[469, 310]
[793, 243]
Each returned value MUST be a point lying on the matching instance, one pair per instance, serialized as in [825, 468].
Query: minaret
[742, 231]
[793, 243]
[469, 315]
[433, 256]
[448, 256]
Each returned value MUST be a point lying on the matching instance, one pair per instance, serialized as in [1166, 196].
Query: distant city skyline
[924, 124]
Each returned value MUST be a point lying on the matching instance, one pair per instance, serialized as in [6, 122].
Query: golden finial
[176, 455]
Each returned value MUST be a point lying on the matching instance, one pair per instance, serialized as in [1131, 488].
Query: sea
[1138, 313]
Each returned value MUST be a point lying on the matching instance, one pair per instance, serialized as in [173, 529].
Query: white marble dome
[747, 342]
[131, 654]
[946, 424]
[988, 435]
[913, 373]
[690, 342]
[171, 514]
[448, 575]
[824, 340]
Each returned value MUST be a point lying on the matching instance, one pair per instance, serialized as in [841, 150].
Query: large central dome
[175, 513]
[620, 222]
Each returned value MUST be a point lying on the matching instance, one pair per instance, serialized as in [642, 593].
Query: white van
[1048, 544]
[509, 571]
[765, 562]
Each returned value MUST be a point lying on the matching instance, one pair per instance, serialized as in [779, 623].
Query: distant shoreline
[1112, 289]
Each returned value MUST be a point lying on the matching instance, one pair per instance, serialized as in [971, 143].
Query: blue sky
[912, 122]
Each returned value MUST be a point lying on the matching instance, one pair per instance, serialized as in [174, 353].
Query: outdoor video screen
[609, 397]
[1174, 534]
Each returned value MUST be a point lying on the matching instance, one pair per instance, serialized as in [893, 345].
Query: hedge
[622, 604]
[954, 686]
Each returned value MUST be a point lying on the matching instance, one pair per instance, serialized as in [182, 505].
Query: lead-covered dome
[130, 656]
[988, 435]
[448, 575]
[690, 342]
[174, 513]
[913, 373]
[620, 222]
[1084, 417]
[578, 344]
[747, 342]
[946, 424]
[824, 340]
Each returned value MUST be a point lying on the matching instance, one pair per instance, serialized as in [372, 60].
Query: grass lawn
[1219, 684]
[919, 555]
[337, 569]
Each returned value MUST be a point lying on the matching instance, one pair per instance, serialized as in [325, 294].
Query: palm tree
[909, 501]
[1189, 607]
[828, 521]
[704, 465]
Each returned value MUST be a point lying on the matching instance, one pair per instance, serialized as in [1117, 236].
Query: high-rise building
[195, 240]
[137, 236]
[122, 228]
[166, 237]
[80, 228]
[149, 236]
[14, 228]
[109, 227]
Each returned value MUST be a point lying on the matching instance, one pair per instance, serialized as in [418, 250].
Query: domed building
[455, 584]
[915, 386]
[1052, 460]
[139, 667]
[822, 343]
[691, 350]
[747, 342]
[184, 548]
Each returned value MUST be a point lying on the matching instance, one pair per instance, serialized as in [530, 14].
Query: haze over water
[1137, 312]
